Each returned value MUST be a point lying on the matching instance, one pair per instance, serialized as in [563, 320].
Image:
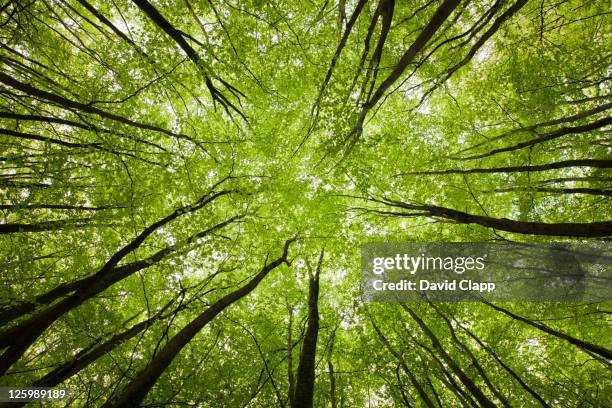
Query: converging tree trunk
[134, 393]
[567, 229]
[457, 371]
[96, 350]
[21, 309]
[304, 384]
[413, 378]
[505, 366]
[17, 339]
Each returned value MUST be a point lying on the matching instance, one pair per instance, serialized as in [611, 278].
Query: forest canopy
[185, 186]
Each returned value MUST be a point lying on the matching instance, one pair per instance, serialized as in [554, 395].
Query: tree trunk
[578, 190]
[510, 371]
[424, 397]
[568, 229]
[290, 376]
[558, 121]
[472, 357]
[18, 339]
[11, 313]
[465, 380]
[546, 137]
[332, 384]
[133, 394]
[304, 385]
[72, 105]
[596, 163]
[419, 43]
[55, 225]
[178, 37]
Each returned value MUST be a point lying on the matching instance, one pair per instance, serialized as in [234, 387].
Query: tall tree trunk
[596, 163]
[93, 352]
[472, 357]
[512, 10]
[546, 137]
[179, 37]
[304, 384]
[332, 384]
[400, 385]
[577, 190]
[110, 25]
[290, 376]
[55, 225]
[441, 14]
[18, 339]
[567, 229]
[75, 105]
[447, 378]
[11, 313]
[438, 18]
[330, 371]
[463, 377]
[558, 121]
[133, 394]
[84, 360]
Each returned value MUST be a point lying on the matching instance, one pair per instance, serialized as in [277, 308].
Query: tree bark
[510, 371]
[304, 384]
[44, 139]
[578, 190]
[596, 163]
[178, 37]
[84, 126]
[421, 41]
[558, 121]
[446, 377]
[290, 376]
[110, 25]
[512, 10]
[332, 384]
[472, 357]
[70, 104]
[568, 229]
[37, 206]
[545, 138]
[92, 353]
[438, 18]
[55, 225]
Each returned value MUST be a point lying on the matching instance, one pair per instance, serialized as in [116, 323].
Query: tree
[157, 155]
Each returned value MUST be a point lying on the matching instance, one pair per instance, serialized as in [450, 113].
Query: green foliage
[289, 163]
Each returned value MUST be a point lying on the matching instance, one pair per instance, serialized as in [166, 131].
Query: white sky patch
[533, 342]
[424, 109]
[119, 23]
[484, 53]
